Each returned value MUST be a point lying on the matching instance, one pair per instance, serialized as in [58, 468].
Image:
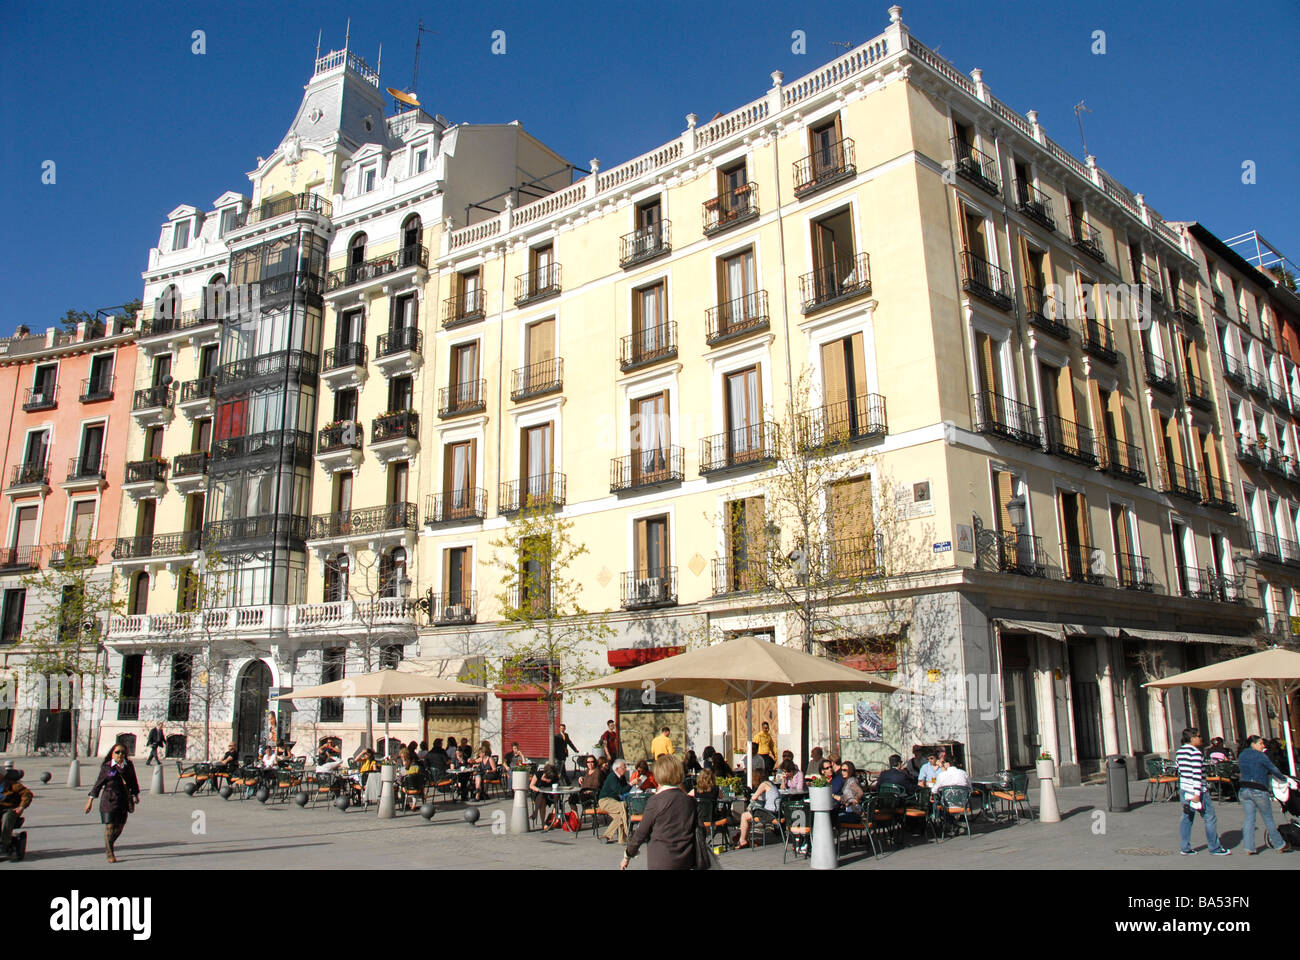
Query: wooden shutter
[541, 341]
[1085, 533]
[857, 352]
[83, 520]
[1004, 486]
[990, 372]
[1119, 527]
[834, 373]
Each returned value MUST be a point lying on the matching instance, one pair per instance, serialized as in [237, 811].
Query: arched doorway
[252, 696]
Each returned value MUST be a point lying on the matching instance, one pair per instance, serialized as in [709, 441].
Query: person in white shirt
[950, 775]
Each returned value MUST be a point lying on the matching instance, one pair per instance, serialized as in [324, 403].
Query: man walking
[562, 746]
[157, 740]
[1195, 792]
[609, 741]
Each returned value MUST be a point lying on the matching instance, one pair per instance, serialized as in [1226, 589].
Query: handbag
[1282, 790]
[704, 859]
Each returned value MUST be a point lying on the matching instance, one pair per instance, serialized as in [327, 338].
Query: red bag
[572, 823]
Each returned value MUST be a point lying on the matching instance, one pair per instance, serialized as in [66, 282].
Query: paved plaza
[205, 832]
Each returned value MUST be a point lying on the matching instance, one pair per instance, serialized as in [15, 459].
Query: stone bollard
[74, 773]
[821, 803]
[1048, 811]
[157, 785]
[519, 813]
[387, 789]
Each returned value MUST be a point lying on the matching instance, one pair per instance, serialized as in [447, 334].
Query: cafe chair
[852, 824]
[413, 791]
[954, 803]
[919, 808]
[1223, 775]
[198, 772]
[636, 809]
[713, 818]
[1161, 784]
[1014, 795]
[499, 779]
[796, 827]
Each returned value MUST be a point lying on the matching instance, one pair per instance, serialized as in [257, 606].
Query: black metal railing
[459, 398]
[128, 708]
[648, 345]
[645, 244]
[368, 520]
[331, 710]
[1290, 551]
[845, 421]
[162, 545]
[739, 574]
[398, 341]
[296, 443]
[537, 379]
[41, 398]
[1086, 238]
[87, 468]
[1004, 417]
[836, 281]
[1249, 450]
[414, 255]
[1035, 205]
[1256, 381]
[466, 307]
[649, 587]
[1133, 572]
[730, 207]
[532, 600]
[1065, 438]
[1267, 547]
[344, 435]
[542, 490]
[1022, 554]
[151, 397]
[261, 527]
[1185, 304]
[982, 279]
[189, 464]
[1081, 564]
[283, 286]
[736, 318]
[539, 283]
[1045, 313]
[1160, 373]
[1180, 480]
[1234, 369]
[852, 558]
[455, 506]
[1199, 392]
[346, 355]
[24, 474]
[71, 554]
[146, 471]
[97, 388]
[395, 425]
[20, 557]
[1218, 494]
[1122, 459]
[751, 445]
[200, 389]
[1276, 463]
[824, 166]
[281, 206]
[1144, 275]
[1277, 391]
[453, 607]
[267, 366]
[976, 166]
[1099, 341]
[646, 468]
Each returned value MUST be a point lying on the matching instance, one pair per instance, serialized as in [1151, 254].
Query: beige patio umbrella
[386, 686]
[1276, 670]
[742, 669]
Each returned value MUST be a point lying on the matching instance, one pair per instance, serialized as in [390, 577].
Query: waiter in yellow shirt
[766, 748]
[661, 744]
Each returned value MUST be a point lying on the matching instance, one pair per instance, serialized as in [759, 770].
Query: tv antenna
[410, 99]
[1080, 109]
[840, 43]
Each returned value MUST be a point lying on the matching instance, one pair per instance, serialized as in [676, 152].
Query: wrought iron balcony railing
[461, 398]
[537, 379]
[466, 307]
[263, 526]
[1035, 205]
[1004, 417]
[752, 445]
[1256, 382]
[1144, 275]
[982, 279]
[1133, 572]
[1065, 438]
[648, 588]
[1081, 564]
[540, 283]
[645, 244]
[1234, 370]
[282, 206]
[1218, 494]
[189, 464]
[146, 471]
[739, 574]
[1045, 313]
[128, 708]
[736, 318]
[1022, 554]
[345, 435]
[1185, 304]
[268, 366]
[646, 468]
[836, 282]
[369, 520]
[823, 167]
[87, 468]
[21, 557]
[649, 345]
[541, 491]
[977, 167]
[1267, 547]
[162, 545]
[29, 474]
[414, 255]
[846, 421]
[1087, 238]
[1160, 373]
[1121, 459]
[41, 398]
[397, 341]
[1099, 341]
[455, 506]
[730, 208]
[1199, 393]
[297, 444]
[94, 389]
[346, 355]
[152, 397]
[455, 607]
[395, 426]
[1250, 451]
[1181, 481]
[200, 389]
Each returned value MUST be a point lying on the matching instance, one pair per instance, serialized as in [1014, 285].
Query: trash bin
[1117, 784]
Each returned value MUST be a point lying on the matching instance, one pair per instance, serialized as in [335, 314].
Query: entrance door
[764, 709]
[251, 699]
[1086, 695]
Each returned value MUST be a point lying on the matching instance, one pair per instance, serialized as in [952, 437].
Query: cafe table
[986, 786]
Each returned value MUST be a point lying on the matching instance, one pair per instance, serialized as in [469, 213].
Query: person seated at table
[515, 758]
[589, 782]
[328, 759]
[1218, 752]
[466, 752]
[706, 788]
[950, 775]
[540, 781]
[848, 802]
[691, 765]
[895, 775]
[483, 765]
[929, 770]
[834, 777]
[610, 801]
[230, 760]
[269, 760]
[453, 752]
[366, 762]
[764, 806]
[283, 751]
[642, 778]
[815, 761]
[788, 776]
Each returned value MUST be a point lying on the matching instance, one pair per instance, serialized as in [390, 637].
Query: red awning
[637, 656]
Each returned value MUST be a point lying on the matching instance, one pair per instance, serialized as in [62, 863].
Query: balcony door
[25, 531]
[844, 387]
[38, 449]
[343, 492]
[739, 289]
[470, 292]
[403, 316]
[541, 259]
[1076, 537]
[744, 415]
[537, 462]
[458, 480]
[651, 552]
[144, 519]
[825, 146]
[833, 250]
[458, 569]
[541, 342]
[464, 372]
[745, 543]
[650, 440]
[83, 522]
[351, 329]
[649, 335]
[92, 449]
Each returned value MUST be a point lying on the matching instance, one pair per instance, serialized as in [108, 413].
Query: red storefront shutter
[523, 721]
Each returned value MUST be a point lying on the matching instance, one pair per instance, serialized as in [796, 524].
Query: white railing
[1067, 158]
[639, 167]
[381, 611]
[335, 59]
[839, 70]
[475, 233]
[733, 122]
[940, 65]
[540, 209]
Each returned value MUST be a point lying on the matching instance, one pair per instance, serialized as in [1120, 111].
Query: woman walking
[118, 791]
[668, 824]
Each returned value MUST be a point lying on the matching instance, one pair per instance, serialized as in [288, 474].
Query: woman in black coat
[118, 791]
[667, 826]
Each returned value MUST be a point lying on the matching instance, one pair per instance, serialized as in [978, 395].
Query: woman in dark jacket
[118, 791]
[668, 823]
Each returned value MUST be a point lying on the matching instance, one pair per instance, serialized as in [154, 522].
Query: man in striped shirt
[1195, 792]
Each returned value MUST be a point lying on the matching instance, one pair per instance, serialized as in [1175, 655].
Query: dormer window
[368, 175]
[229, 219]
[181, 235]
[421, 159]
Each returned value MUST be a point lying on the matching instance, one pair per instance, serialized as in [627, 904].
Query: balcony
[1256, 382]
[1120, 459]
[1251, 451]
[152, 406]
[1133, 572]
[644, 469]
[645, 244]
[399, 351]
[834, 425]
[1004, 417]
[467, 307]
[1185, 305]
[853, 558]
[367, 522]
[1180, 481]
[343, 617]
[1036, 205]
[977, 167]
[86, 473]
[345, 365]
[263, 527]
[647, 346]
[20, 557]
[73, 555]
[267, 369]
[395, 436]
[544, 491]
[1068, 439]
[1277, 464]
[1160, 374]
[289, 446]
[189, 472]
[540, 283]
[338, 445]
[982, 279]
[823, 168]
[647, 589]
[736, 318]
[730, 209]
[196, 397]
[1199, 393]
[1079, 564]
[537, 379]
[413, 258]
[1267, 547]
[462, 398]
[95, 389]
[145, 479]
[739, 575]
[152, 547]
[749, 447]
[1234, 370]
[128, 708]
[1207, 585]
[835, 283]
[1045, 314]
[1150, 279]
[455, 506]
[40, 398]
[1099, 342]
[1277, 393]
[284, 206]
[452, 609]
[1087, 239]
[1218, 494]
[29, 478]
[199, 325]
[1020, 553]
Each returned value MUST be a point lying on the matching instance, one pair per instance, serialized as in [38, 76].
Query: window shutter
[834, 374]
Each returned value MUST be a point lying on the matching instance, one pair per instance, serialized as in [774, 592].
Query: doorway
[253, 693]
[1086, 696]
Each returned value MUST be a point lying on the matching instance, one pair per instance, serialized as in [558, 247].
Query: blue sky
[136, 123]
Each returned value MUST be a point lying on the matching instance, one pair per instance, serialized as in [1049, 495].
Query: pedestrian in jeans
[157, 741]
[1255, 793]
[1195, 793]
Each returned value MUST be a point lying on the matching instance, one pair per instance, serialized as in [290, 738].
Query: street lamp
[1018, 516]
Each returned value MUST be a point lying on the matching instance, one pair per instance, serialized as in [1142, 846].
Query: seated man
[765, 807]
[950, 775]
[929, 770]
[896, 775]
[612, 793]
[515, 758]
[15, 798]
[230, 760]
[329, 759]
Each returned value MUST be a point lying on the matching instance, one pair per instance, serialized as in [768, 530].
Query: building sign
[914, 501]
[965, 538]
[871, 727]
[944, 546]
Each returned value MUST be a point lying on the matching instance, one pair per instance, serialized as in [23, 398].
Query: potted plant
[1046, 766]
[519, 778]
[819, 795]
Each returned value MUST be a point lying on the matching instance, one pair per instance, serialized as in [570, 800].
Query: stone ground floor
[177, 832]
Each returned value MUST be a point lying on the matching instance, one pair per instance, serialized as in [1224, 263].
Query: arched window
[356, 257]
[139, 599]
[216, 298]
[168, 304]
[411, 229]
[336, 578]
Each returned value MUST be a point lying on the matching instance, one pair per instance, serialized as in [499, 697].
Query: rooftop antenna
[411, 99]
[840, 43]
[347, 34]
[318, 36]
[1080, 109]
[379, 64]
